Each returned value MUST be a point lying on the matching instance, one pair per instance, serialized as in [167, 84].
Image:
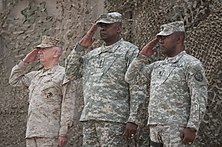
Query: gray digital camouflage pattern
[178, 89]
[51, 100]
[167, 134]
[107, 96]
[110, 132]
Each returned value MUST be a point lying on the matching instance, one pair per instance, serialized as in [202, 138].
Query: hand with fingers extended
[87, 40]
[148, 50]
[30, 57]
[130, 130]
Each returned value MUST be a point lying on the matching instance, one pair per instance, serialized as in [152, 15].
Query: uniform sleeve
[18, 76]
[138, 75]
[74, 63]
[139, 72]
[138, 94]
[197, 83]
[68, 106]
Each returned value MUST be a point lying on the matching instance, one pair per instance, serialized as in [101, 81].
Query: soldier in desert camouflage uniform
[111, 105]
[178, 89]
[51, 95]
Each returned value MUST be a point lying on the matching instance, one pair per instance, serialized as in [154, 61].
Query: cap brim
[104, 21]
[43, 46]
[162, 33]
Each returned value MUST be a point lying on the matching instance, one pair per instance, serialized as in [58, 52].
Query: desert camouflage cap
[48, 41]
[110, 18]
[169, 28]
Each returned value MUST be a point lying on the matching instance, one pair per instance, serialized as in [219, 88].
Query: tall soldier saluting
[111, 105]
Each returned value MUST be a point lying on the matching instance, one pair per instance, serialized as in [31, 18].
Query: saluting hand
[30, 57]
[147, 50]
[87, 40]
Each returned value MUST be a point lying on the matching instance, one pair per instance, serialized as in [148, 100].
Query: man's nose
[161, 40]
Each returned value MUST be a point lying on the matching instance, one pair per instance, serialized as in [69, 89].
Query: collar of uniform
[175, 58]
[111, 48]
[49, 71]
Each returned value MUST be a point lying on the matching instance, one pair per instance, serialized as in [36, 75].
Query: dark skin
[171, 46]
[110, 34]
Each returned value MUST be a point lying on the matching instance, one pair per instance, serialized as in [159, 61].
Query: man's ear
[57, 52]
[120, 28]
[179, 37]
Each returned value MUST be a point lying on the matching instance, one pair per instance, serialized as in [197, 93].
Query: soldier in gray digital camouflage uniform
[111, 104]
[51, 95]
[178, 88]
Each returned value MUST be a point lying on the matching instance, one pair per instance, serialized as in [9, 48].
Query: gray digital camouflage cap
[110, 18]
[169, 28]
[48, 41]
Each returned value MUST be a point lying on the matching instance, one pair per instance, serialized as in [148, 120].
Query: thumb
[181, 135]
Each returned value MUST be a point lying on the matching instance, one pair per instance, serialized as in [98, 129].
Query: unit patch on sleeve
[198, 76]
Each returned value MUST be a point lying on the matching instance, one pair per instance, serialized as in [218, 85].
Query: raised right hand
[147, 50]
[30, 57]
[87, 40]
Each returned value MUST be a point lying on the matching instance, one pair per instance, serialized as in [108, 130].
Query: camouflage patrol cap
[48, 41]
[170, 28]
[110, 18]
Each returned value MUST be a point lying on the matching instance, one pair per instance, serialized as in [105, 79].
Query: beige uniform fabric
[51, 100]
[41, 142]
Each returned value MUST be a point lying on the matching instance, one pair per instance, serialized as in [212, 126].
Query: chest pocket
[115, 67]
[51, 88]
[168, 73]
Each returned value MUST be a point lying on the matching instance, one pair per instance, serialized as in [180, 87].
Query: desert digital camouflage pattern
[178, 89]
[51, 100]
[107, 96]
[41, 141]
[48, 42]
